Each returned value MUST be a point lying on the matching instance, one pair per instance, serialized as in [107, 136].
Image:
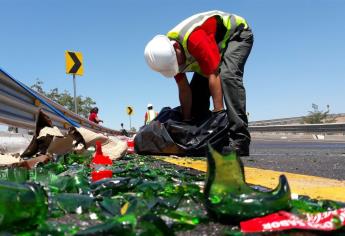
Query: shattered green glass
[71, 203]
[230, 199]
[306, 205]
[144, 197]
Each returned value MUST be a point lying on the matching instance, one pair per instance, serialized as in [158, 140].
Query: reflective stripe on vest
[182, 31]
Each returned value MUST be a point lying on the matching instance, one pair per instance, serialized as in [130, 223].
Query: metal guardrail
[286, 121]
[281, 121]
[19, 107]
[303, 128]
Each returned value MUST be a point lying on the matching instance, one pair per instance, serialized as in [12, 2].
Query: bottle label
[282, 220]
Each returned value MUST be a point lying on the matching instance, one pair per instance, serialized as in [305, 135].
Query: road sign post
[75, 95]
[74, 65]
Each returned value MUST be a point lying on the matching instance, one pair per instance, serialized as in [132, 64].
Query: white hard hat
[160, 55]
[149, 105]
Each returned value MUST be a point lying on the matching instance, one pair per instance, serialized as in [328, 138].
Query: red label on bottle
[283, 220]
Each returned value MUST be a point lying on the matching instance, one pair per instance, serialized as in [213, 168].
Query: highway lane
[309, 157]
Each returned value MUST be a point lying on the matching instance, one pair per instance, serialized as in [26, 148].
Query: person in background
[124, 131]
[93, 116]
[215, 46]
[150, 114]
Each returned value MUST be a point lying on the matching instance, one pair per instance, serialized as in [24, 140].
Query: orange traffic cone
[99, 165]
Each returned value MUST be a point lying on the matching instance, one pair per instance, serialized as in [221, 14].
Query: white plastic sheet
[13, 143]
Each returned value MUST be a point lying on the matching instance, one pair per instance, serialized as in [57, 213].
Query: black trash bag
[167, 134]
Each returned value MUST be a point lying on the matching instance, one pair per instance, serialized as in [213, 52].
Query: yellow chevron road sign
[74, 63]
[130, 110]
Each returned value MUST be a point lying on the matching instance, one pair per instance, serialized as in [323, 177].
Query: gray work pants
[231, 74]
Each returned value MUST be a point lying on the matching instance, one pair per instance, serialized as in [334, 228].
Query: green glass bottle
[228, 197]
[22, 204]
[75, 181]
[42, 175]
[18, 175]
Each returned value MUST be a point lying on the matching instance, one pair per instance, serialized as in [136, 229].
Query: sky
[297, 58]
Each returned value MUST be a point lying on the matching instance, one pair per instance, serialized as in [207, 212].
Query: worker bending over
[215, 45]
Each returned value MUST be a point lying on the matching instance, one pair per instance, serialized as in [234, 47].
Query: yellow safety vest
[182, 31]
[151, 114]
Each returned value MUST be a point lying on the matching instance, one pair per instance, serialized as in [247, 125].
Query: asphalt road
[310, 157]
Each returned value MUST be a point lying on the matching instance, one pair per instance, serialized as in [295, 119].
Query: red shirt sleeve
[203, 47]
[92, 117]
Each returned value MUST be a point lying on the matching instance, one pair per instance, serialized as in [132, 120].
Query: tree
[38, 86]
[65, 99]
[133, 129]
[318, 117]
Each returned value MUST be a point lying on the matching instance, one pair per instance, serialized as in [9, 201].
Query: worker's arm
[204, 49]
[185, 95]
[145, 118]
[216, 91]
[98, 120]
